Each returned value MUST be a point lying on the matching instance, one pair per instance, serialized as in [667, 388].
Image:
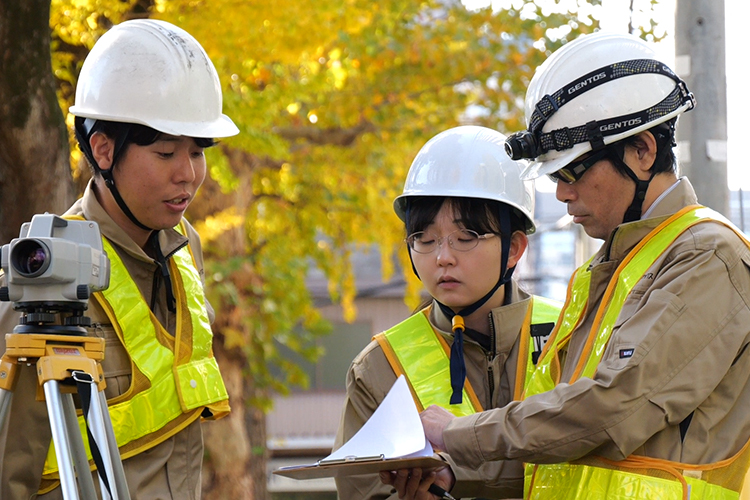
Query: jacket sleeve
[686, 324]
[498, 479]
[495, 479]
[367, 382]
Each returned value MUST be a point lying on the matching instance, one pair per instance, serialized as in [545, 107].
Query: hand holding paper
[434, 420]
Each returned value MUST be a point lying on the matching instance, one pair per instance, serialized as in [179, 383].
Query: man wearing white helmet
[466, 213]
[643, 389]
[148, 103]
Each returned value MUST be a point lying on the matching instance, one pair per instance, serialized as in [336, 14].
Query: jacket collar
[626, 236]
[507, 319]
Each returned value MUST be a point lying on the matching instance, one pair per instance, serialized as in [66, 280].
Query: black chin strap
[109, 181]
[664, 135]
[457, 362]
[633, 213]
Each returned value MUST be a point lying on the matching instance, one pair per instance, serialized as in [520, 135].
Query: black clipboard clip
[352, 459]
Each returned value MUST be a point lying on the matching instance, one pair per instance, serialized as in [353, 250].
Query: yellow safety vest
[173, 378]
[413, 348]
[596, 478]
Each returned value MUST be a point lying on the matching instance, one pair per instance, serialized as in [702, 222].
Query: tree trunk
[34, 155]
[255, 423]
[237, 456]
[225, 470]
[236, 451]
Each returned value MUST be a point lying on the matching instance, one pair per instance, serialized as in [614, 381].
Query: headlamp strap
[549, 104]
[595, 131]
[595, 135]
[565, 138]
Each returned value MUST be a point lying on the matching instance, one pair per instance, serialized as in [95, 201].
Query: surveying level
[50, 272]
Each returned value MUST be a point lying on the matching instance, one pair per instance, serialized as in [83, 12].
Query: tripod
[67, 361]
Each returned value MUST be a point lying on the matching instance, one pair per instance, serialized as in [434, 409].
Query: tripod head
[51, 270]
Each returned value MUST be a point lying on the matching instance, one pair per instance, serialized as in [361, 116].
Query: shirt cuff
[462, 443]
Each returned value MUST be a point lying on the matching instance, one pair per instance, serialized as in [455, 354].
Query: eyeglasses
[461, 240]
[574, 171]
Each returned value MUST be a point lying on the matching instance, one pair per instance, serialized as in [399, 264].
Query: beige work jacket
[492, 375]
[686, 324]
[171, 469]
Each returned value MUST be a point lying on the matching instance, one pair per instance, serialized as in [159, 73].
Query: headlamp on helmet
[522, 145]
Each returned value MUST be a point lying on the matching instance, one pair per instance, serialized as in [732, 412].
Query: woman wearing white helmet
[148, 103]
[643, 388]
[466, 213]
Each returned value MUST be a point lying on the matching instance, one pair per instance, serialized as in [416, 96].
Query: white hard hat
[153, 73]
[599, 88]
[468, 162]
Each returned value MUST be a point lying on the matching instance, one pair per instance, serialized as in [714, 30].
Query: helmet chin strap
[153, 239]
[633, 213]
[457, 363]
[664, 135]
[109, 181]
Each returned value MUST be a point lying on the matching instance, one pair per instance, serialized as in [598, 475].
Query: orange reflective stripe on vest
[414, 349]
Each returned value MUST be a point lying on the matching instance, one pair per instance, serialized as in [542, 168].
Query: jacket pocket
[636, 332]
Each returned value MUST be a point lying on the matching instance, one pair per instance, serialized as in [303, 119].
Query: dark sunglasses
[574, 171]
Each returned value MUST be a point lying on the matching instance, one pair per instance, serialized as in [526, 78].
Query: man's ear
[103, 150]
[518, 244]
[642, 154]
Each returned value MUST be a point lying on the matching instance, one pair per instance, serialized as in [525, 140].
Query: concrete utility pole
[702, 133]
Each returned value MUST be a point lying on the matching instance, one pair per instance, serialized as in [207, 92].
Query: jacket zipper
[609, 247]
[490, 371]
[155, 286]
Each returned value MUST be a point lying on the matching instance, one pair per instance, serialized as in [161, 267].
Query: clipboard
[353, 466]
[391, 439]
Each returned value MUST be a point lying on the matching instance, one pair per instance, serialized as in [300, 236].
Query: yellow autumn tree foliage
[333, 98]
